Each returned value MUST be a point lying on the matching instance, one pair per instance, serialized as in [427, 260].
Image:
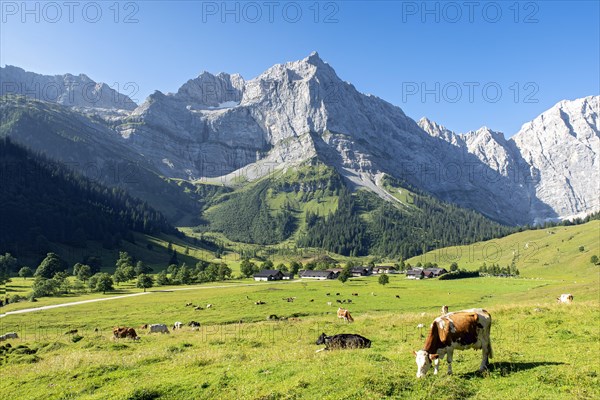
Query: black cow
[343, 341]
[194, 324]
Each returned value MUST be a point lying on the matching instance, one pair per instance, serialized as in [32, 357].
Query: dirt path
[76, 303]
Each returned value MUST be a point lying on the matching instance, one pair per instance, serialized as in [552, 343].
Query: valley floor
[238, 353]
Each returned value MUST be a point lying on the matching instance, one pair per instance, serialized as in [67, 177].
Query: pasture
[541, 349]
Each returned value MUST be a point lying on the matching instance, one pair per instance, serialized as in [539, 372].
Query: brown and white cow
[467, 329]
[345, 314]
[125, 332]
[565, 298]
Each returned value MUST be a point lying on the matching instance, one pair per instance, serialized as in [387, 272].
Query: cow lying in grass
[9, 335]
[468, 329]
[343, 341]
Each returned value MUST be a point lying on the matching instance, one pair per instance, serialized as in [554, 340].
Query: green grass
[551, 253]
[542, 350]
[534, 341]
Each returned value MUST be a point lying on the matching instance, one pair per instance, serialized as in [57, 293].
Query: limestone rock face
[552, 162]
[562, 148]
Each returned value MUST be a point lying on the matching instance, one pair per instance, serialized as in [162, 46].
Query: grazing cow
[71, 332]
[354, 294]
[208, 305]
[145, 326]
[343, 341]
[327, 294]
[329, 303]
[444, 310]
[311, 300]
[158, 328]
[345, 314]
[565, 298]
[467, 329]
[258, 303]
[198, 308]
[188, 304]
[349, 301]
[125, 332]
[9, 335]
[338, 301]
[194, 324]
[397, 296]
[177, 325]
[337, 294]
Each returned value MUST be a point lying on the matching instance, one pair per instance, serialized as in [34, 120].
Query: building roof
[265, 273]
[309, 273]
[435, 270]
[414, 272]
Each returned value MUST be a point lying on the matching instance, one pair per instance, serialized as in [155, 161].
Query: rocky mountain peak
[69, 90]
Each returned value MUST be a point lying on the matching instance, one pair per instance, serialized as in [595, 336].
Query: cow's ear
[433, 356]
[414, 353]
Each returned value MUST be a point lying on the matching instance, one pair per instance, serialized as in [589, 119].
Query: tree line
[42, 202]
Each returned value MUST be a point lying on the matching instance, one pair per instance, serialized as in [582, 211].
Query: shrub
[459, 275]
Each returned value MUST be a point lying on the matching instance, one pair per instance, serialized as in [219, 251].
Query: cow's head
[321, 339]
[423, 360]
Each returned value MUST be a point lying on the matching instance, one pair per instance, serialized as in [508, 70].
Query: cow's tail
[490, 351]
[350, 319]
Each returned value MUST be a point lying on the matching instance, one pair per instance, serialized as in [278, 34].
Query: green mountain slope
[559, 252]
[88, 146]
[312, 206]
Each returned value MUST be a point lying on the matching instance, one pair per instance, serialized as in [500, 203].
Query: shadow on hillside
[505, 368]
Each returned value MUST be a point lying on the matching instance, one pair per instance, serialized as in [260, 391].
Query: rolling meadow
[542, 350]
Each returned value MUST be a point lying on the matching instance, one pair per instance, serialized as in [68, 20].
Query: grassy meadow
[542, 350]
[238, 353]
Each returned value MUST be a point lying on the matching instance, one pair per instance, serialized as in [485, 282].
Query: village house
[385, 269]
[360, 271]
[269, 275]
[415, 274]
[434, 272]
[322, 275]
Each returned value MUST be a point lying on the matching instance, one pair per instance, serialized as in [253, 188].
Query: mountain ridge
[224, 129]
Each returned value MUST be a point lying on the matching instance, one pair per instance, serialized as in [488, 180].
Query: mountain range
[222, 130]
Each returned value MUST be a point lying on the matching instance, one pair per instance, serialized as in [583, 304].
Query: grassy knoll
[551, 253]
[534, 344]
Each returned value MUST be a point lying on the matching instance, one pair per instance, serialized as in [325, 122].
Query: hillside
[552, 253]
[313, 206]
[46, 207]
[85, 144]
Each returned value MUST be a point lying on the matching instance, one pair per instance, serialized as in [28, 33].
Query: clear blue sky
[536, 53]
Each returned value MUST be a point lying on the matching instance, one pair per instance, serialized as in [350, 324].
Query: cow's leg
[436, 364]
[449, 360]
[484, 357]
